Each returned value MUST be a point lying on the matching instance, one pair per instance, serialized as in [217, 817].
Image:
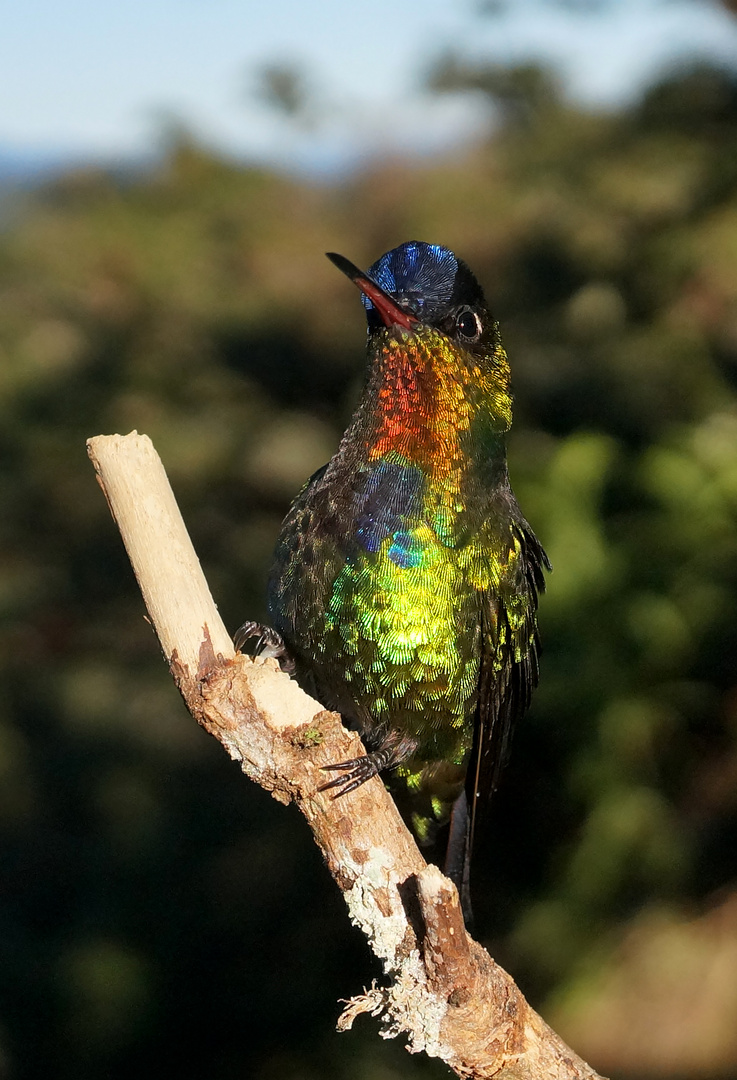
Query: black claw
[348, 787]
[270, 643]
[245, 633]
[355, 772]
[352, 764]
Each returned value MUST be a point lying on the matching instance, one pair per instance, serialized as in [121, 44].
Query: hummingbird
[405, 581]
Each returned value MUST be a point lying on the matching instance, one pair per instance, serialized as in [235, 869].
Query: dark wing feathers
[509, 673]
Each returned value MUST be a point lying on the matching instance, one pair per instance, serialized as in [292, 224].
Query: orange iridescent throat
[428, 397]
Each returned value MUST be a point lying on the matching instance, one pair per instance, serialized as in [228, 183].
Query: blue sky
[93, 79]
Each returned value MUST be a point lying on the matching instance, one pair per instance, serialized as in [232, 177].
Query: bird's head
[420, 285]
[423, 302]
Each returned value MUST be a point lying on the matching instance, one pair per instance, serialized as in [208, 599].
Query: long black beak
[387, 308]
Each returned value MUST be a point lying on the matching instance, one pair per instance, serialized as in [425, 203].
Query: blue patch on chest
[386, 501]
[406, 550]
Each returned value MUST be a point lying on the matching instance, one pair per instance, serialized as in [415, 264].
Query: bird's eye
[468, 325]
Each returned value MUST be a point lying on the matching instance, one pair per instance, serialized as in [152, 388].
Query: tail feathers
[458, 855]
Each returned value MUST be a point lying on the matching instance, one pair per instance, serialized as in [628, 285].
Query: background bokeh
[157, 911]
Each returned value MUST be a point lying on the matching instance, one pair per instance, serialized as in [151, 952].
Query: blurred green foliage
[153, 904]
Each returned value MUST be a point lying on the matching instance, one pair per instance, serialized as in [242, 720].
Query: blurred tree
[499, 7]
[518, 91]
[284, 87]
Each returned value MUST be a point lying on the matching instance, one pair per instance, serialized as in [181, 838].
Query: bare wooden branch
[168, 571]
[445, 994]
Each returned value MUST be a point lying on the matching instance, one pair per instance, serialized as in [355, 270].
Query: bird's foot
[269, 643]
[357, 771]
